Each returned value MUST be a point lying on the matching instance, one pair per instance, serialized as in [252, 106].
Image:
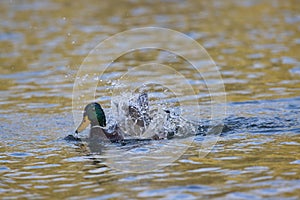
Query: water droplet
[96, 78]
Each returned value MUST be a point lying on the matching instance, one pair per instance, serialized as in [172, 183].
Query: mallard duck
[94, 115]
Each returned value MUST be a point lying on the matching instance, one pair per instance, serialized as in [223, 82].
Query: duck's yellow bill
[85, 122]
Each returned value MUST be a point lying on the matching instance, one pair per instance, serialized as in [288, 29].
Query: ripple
[20, 154]
[295, 70]
[41, 166]
[255, 56]
[289, 60]
[76, 159]
[4, 168]
[241, 195]
[256, 169]
[297, 162]
[99, 170]
[208, 169]
[176, 192]
[290, 143]
[262, 178]
[228, 158]
[189, 161]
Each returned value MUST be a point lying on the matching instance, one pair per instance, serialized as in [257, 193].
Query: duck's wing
[140, 114]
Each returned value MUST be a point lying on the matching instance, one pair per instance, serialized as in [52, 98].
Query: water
[255, 45]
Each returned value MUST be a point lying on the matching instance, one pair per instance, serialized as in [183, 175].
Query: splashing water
[160, 117]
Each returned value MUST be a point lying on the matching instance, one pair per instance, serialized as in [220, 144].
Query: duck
[94, 116]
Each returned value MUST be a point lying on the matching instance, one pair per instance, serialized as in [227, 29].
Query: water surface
[255, 45]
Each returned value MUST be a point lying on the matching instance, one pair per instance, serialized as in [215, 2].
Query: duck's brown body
[98, 133]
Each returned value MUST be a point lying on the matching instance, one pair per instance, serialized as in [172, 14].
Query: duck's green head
[94, 115]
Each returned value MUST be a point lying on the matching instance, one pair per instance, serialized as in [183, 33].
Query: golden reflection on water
[255, 53]
[256, 45]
